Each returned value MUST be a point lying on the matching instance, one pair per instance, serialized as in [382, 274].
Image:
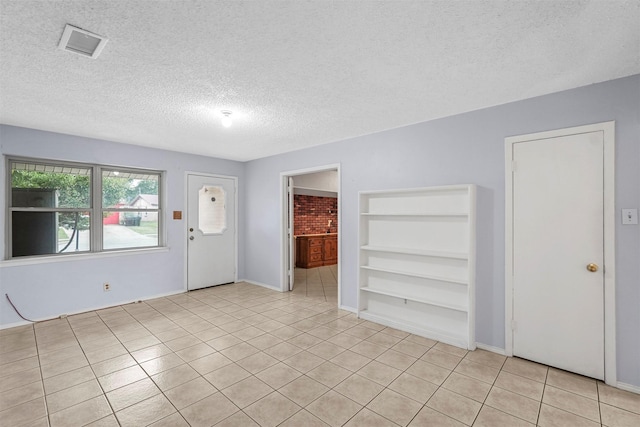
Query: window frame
[95, 209]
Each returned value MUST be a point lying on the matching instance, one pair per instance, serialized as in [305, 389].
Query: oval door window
[212, 212]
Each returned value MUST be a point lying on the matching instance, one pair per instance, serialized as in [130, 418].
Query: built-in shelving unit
[417, 261]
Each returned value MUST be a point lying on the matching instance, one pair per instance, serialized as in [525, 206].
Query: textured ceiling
[296, 73]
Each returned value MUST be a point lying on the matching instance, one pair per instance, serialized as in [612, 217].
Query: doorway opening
[311, 232]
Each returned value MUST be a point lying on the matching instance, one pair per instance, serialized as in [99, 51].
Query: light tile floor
[242, 355]
[319, 282]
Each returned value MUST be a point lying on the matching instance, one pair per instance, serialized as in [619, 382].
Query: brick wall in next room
[312, 214]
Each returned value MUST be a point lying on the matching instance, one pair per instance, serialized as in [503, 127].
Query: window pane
[129, 229]
[48, 233]
[74, 232]
[43, 185]
[212, 215]
[129, 190]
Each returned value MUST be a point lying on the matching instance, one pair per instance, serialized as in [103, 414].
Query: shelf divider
[417, 214]
[416, 299]
[422, 276]
[411, 251]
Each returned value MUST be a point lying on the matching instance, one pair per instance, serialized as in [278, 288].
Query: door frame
[185, 218]
[284, 240]
[608, 131]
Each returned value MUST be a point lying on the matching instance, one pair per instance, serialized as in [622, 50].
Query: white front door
[211, 224]
[558, 257]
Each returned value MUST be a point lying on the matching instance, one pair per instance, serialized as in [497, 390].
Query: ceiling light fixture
[226, 118]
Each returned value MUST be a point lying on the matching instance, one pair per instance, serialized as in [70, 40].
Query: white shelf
[412, 274]
[459, 188]
[411, 251]
[416, 214]
[416, 299]
[417, 261]
[415, 328]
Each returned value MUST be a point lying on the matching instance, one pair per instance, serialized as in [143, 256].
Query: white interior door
[211, 222]
[292, 249]
[558, 303]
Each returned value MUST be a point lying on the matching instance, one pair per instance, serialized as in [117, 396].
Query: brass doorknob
[592, 267]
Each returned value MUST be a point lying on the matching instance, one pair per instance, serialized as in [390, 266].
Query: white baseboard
[95, 308]
[629, 387]
[491, 348]
[166, 294]
[622, 386]
[345, 308]
[15, 324]
[264, 285]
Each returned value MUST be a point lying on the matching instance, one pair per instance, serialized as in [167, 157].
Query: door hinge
[514, 166]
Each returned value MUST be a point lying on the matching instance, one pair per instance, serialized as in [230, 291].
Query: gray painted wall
[50, 289]
[466, 148]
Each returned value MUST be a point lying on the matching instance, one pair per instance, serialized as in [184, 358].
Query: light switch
[629, 216]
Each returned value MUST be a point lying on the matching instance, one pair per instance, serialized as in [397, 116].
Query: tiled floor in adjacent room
[242, 355]
[319, 282]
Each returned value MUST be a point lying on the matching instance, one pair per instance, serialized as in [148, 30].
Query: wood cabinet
[330, 250]
[417, 261]
[316, 250]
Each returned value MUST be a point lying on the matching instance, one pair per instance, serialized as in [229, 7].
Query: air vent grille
[82, 42]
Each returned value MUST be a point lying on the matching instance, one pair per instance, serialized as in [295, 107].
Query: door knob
[592, 267]
[191, 238]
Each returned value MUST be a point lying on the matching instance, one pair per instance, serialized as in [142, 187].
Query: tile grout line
[104, 393]
[440, 385]
[599, 405]
[44, 392]
[493, 384]
[92, 369]
[544, 389]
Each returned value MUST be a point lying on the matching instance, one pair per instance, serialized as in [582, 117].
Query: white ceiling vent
[82, 42]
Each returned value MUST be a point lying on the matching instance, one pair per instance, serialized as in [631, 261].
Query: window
[63, 208]
[212, 215]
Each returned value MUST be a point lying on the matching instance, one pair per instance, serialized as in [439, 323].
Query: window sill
[79, 257]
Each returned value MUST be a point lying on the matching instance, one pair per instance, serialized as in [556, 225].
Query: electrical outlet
[106, 287]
